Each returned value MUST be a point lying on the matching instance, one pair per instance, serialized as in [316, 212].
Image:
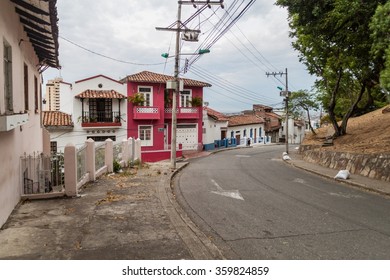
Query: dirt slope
[367, 134]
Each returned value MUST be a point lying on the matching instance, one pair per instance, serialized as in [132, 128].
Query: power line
[229, 86]
[108, 57]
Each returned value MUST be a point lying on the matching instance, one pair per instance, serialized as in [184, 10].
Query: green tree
[303, 100]
[333, 40]
[380, 33]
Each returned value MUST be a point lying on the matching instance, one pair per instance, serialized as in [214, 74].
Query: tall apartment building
[52, 97]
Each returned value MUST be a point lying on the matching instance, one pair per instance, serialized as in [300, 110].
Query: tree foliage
[303, 100]
[334, 41]
[380, 33]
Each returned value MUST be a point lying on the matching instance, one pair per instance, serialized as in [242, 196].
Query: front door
[238, 139]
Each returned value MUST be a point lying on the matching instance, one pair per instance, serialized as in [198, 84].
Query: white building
[52, 96]
[94, 107]
[215, 126]
[296, 129]
[244, 127]
[23, 27]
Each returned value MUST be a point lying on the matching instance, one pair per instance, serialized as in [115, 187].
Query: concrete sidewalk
[365, 183]
[125, 216]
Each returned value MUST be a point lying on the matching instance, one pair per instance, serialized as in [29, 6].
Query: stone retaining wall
[373, 166]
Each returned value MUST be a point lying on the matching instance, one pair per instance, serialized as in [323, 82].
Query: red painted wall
[158, 101]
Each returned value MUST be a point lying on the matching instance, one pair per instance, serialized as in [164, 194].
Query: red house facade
[150, 114]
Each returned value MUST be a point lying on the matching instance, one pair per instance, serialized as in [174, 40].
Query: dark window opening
[36, 94]
[25, 72]
[100, 110]
[101, 138]
[53, 147]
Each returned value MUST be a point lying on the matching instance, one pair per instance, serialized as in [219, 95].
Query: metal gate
[187, 135]
[42, 174]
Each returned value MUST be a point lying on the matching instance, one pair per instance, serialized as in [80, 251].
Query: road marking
[346, 195]
[339, 194]
[243, 156]
[232, 194]
[299, 180]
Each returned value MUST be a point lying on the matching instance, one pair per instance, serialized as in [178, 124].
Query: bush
[117, 166]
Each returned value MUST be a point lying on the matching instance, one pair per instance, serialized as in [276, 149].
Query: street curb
[199, 245]
[346, 182]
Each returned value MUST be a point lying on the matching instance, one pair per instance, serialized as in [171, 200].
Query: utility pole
[286, 94]
[176, 91]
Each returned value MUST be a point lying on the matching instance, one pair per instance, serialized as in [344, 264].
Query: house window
[53, 147]
[185, 98]
[36, 94]
[148, 95]
[100, 110]
[8, 96]
[145, 133]
[25, 75]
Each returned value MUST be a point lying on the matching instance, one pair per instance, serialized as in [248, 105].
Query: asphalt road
[254, 206]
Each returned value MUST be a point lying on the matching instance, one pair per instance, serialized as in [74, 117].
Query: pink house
[151, 118]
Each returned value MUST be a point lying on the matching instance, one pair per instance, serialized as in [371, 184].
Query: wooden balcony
[146, 113]
[183, 113]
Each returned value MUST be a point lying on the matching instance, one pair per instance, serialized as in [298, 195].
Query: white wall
[240, 130]
[213, 129]
[73, 106]
[295, 134]
[66, 98]
[26, 138]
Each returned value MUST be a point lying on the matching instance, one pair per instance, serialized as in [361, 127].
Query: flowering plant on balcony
[196, 101]
[137, 99]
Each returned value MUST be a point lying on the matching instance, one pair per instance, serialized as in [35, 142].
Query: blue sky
[236, 66]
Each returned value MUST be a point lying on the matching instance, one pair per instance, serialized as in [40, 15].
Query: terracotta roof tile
[150, 77]
[273, 115]
[110, 94]
[216, 115]
[244, 120]
[56, 118]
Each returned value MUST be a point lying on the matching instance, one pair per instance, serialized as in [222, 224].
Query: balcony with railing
[183, 113]
[101, 119]
[146, 113]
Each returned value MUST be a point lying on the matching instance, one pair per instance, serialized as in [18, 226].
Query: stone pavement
[127, 216]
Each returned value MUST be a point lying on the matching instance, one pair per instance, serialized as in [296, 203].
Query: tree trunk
[352, 110]
[311, 128]
[332, 105]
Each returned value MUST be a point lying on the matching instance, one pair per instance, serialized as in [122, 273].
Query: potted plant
[167, 99]
[196, 101]
[137, 99]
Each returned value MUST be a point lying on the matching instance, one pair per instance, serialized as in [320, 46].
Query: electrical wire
[229, 86]
[108, 57]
